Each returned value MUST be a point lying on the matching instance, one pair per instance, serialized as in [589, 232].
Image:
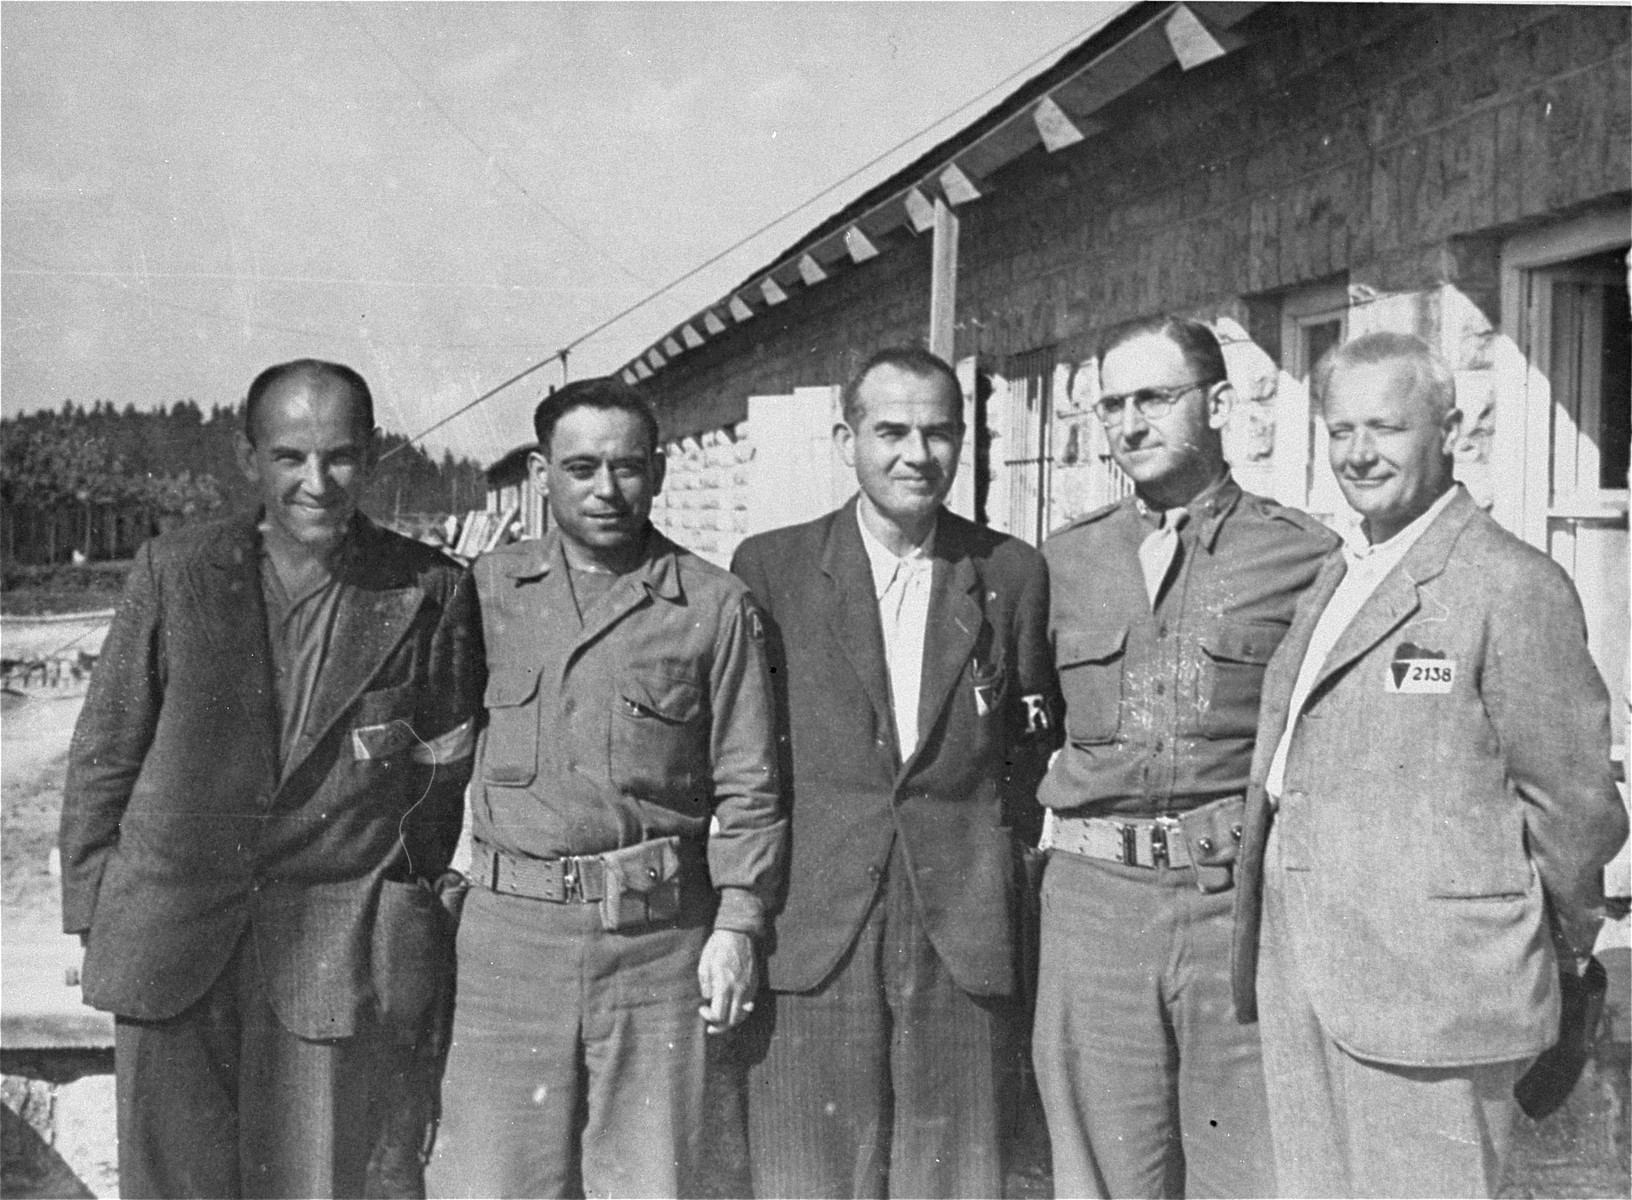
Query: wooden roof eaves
[1086, 78]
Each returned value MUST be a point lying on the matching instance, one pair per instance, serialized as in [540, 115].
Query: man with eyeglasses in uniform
[1166, 608]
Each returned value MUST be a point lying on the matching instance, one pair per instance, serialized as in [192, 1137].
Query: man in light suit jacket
[1432, 810]
[912, 649]
[268, 772]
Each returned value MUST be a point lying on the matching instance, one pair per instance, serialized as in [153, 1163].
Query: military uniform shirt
[647, 718]
[1162, 701]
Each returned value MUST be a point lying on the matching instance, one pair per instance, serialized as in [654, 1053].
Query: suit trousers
[578, 1054]
[884, 1080]
[1344, 1126]
[223, 1101]
[1150, 1085]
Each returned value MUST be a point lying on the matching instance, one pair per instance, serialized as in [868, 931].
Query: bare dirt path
[35, 729]
[36, 724]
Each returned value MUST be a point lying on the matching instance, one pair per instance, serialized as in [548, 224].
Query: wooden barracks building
[1294, 174]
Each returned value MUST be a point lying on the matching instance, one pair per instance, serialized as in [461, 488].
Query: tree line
[99, 480]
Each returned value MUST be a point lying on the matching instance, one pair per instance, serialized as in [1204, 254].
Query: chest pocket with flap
[1090, 668]
[510, 745]
[658, 748]
[1237, 652]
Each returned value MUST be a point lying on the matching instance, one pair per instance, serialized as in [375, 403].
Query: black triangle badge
[1398, 669]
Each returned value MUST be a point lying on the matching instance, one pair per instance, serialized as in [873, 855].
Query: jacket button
[1205, 844]
[874, 873]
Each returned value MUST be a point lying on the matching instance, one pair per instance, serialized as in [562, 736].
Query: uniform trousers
[1344, 1126]
[1150, 1085]
[576, 1066]
[223, 1101]
[884, 1080]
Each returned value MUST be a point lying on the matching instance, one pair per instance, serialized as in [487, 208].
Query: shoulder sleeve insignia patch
[753, 620]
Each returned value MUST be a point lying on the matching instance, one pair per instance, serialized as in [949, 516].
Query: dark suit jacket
[850, 795]
[1438, 839]
[179, 832]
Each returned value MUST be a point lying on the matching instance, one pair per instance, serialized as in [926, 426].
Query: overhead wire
[487, 156]
[743, 241]
[320, 280]
[121, 281]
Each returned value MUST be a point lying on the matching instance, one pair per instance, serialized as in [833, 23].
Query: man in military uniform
[628, 707]
[1166, 607]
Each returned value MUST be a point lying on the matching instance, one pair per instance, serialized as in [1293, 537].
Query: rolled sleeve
[747, 838]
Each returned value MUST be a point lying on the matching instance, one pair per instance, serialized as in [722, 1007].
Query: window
[1026, 443]
[1313, 320]
[1563, 415]
[1588, 370]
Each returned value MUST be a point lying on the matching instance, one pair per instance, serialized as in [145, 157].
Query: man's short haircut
[608, 393]
[914, 360]
[311, 368]
[1433, 381]
[1195, 341]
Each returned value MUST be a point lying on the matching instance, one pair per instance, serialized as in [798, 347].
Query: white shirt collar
[885, 565]
[1384, 555]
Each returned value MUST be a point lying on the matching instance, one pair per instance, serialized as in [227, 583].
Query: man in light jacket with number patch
[1431, 811]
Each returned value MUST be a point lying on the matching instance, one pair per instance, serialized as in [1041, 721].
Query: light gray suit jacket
[1448, 804]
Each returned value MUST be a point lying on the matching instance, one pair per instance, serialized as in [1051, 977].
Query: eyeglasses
[1152, 402]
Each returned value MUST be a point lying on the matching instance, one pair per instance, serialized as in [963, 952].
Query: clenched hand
[728, 978]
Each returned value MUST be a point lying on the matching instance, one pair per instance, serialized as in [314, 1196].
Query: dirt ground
[34, 735]
[36, 724]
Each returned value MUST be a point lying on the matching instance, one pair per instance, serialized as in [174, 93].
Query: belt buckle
[572, 882]
[495, 866]
[1146, 847]
[1162, 835]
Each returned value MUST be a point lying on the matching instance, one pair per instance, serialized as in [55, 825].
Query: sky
[439, 195]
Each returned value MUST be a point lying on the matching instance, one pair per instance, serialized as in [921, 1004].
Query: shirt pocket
[1090, 663]
[659, 742]
[382, 723]
[510, 745]
[1237, 653]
